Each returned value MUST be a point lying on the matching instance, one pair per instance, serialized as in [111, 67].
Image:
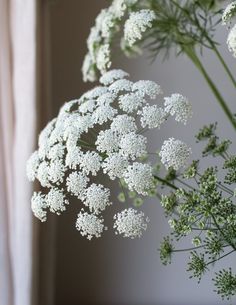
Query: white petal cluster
[101, 133]
[174, 153]
[89, 225]
[130, 223]
[229, 13]
[139, 178]
[96, 198]
[38, 206]
[179, 106]
[137, 24]
[231, 40]
[153, 116]
[76, 184]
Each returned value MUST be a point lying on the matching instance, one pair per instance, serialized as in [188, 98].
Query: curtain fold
[17, 134]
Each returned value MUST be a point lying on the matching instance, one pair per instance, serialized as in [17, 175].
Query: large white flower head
[100, 133]
[174, 153]
[136, 24]
[179, 106]
[231, 40]
[229, 13]
[89, 225]
[130, 223]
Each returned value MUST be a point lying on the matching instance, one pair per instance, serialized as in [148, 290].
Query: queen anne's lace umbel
[101, 134]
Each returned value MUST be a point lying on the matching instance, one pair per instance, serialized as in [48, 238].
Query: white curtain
[17, 134]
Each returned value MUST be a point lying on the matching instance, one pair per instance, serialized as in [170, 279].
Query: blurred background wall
[112, 270]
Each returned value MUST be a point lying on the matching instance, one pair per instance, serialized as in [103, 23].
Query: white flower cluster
[107, 24]
[229, 13]
[228, 17]
[100, 134]
[174, 153]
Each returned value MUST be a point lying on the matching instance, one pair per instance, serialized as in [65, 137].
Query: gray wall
[113, 270]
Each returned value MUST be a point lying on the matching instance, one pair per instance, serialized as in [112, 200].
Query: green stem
[166, 182]
[193, 56]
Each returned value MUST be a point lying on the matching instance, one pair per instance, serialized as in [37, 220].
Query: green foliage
[166, 251]
[225, 282]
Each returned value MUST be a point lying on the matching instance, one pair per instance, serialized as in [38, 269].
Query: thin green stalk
[193, 56]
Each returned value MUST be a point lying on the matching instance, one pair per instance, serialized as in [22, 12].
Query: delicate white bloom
[131, 102]
[43, 174]
[88, 70]
[93, 93]
[45, 133]
[103, 113]
[121, 85]
[38, 206]
[115, 165]
[147, 87]
[139, 178]
[93, 41]
[89, 225]
[90, 162]
[118, 7]
[56, 152]
[76, 183]
[152, 116]
[107, 141]
[231, 40]
[87, 106]
[103, 59]
[106, 99]
[133, 145]
[56, 172]
[179, 106]
[97, 198]
[123, 124]
[130, 223]
[112, 75]
[56, 201]
[108, 24]
[174, 153]
[137, 23]
[229, 13]
[32, 166]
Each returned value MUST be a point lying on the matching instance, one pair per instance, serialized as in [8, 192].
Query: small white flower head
[179, 106]
[152, 116]
[76, 183]
[87, 106]
[32, 166]
[96, 198]
[139, 178]
[106, 99]
[121, 85]
[103, 113]
[133, 145]
[112, 75]
[107, 141]
[103, 58]
[56, 201]
[38, 206]
[43, 174]
[131, 102]
[89, 225]
[90, 162]
[229, 13]
[56, 171]
[147, 88]
[231, 40]
[174, 153]
[93, 93]
[115, 165]
[130, 223]
[56, 151]
[118, 7]
[88, 69]
[137, 23]
[108, 24]
[123, 124]
[73, 156]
